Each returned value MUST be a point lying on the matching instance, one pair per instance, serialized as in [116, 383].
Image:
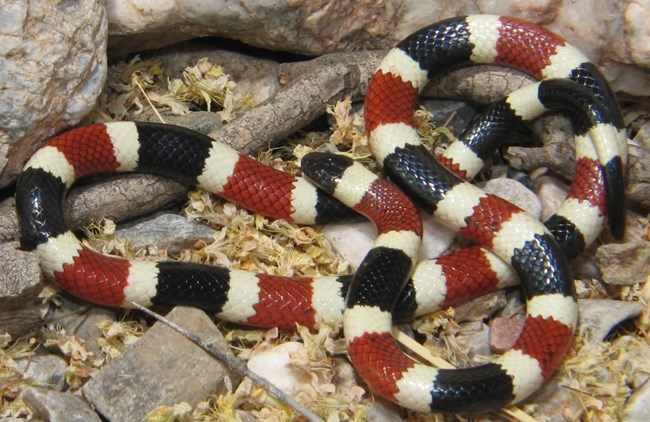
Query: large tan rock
[52, 68]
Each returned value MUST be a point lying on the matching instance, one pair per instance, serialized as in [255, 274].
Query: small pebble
[624, 264]
[274, 365]
[44, 371]
[165, 230]
[353, 241]
[54, 406]
[480, 308]
[515, 192]
[504, 333]
[551, 191]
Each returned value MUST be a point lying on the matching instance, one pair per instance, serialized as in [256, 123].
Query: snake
[510, 246]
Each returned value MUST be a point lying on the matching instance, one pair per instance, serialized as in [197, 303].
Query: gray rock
[636, 359]
[558, 152]
[253, 74]
[599, 316]
[8, 220]
[20, 284]
[638, 174]
[314, 28]
[88, 329]
[162, 368]
[383, 411]
[127, 196]
[456, 115]
[118, 198]
[551, 191]
[624, 264]
[80, 319]
[558, 155]
[44, 371]
[555, 402]
[480, 308]
[165, 230]
[52, 69]
[638, 406]
[354, 240]
[516, 193]
[55, 406]
[475, 336]
[201, 121]
[585, 266]
[515, 305]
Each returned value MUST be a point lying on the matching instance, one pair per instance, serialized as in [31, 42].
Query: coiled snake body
[537, 255]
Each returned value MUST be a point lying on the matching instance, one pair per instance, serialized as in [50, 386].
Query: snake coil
[511, 246]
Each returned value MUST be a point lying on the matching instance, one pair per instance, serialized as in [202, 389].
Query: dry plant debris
[140, 84]
[11, 379]
[599, 373]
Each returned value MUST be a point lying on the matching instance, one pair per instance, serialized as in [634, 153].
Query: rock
[504, 333]
[515, 306]
[8, 220]
[637, 16]
[636, 227]
[606, 372]
[551, 192]
[480, 308]
[200, 121]
[165, 230]
[53, 56]
[303, 27]
[254, 75]
[478, 84]
[624, 264]
[274, 364]
[118, 198]
[637, 373]
[619, 46]
[383, 411]
[638, 405]
[55, 406]
[354, 240]
[474, 335]
[456, 115]
[351, 240]
[88, 329]
[20, 285]
[80, 319]
[584, 266]
[554, 401]
[558, 155]
[558, 152]
[44, 371]
[638, 174]
[635, 359]
[600, 316]
[126, 196]
[162, 368]
[516, 193]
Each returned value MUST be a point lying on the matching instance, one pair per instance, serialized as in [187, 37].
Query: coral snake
[510, 245]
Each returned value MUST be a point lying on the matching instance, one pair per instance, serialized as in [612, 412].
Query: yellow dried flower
[116, 335]
[181, 412]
